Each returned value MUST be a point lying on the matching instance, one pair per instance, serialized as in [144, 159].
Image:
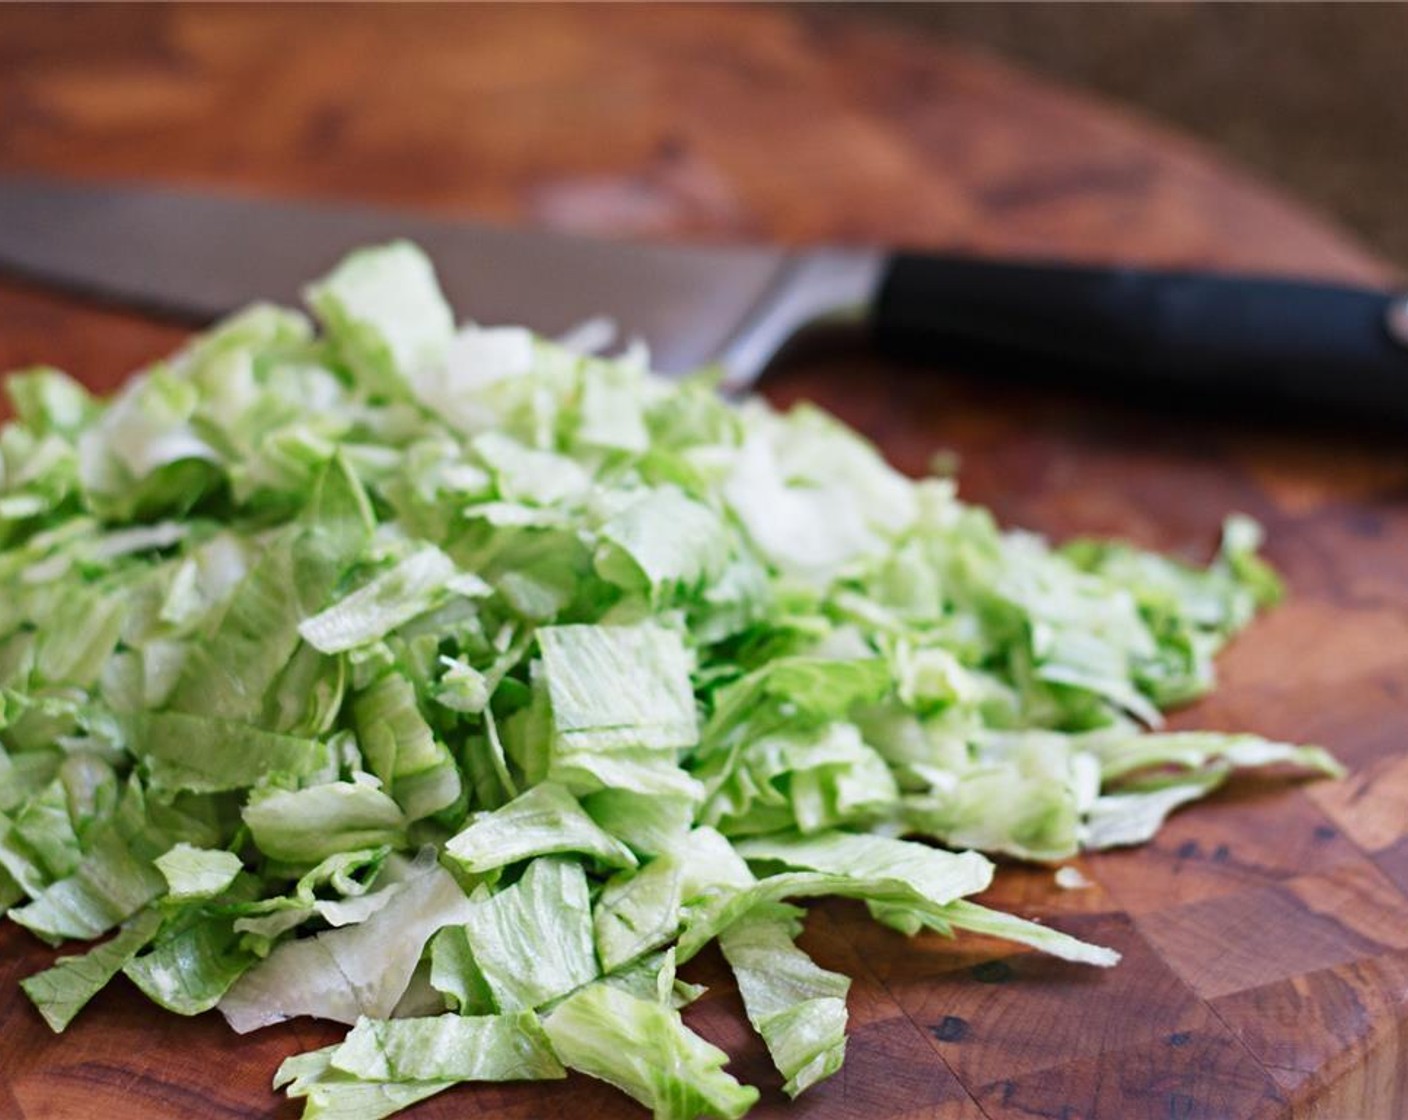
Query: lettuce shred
[454, 684]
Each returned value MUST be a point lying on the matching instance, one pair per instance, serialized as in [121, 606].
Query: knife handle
[1179, 336]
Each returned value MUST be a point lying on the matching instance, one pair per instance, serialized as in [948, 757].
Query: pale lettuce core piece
[455, 684]
[462, 389]
[358, 970]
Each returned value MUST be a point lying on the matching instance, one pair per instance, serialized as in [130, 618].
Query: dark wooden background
[1265, 932]
[1314, 96]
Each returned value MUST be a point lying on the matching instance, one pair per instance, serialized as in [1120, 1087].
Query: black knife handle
[1185, 336]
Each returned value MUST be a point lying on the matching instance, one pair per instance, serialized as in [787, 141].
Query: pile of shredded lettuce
[457, 686]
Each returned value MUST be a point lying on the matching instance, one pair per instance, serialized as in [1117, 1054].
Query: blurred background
[1002, 129]
[1312, 96]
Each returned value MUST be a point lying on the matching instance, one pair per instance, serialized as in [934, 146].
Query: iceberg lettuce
[454, 685]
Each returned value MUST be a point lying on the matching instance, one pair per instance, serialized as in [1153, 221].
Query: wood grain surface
[1265, 932]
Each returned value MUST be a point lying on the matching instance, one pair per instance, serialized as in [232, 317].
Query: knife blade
[198, 256]
[1127, 331]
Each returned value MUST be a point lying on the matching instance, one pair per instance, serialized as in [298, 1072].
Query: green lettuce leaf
[797, 1008]
[937, 876]
[385, 669]
[402, 750]
[192, 964]
[645, 1050]
[456, 975]
[114, 880]
[314, 824]
[546, 918]
[63, 990]
[205, 755]
[546, 820]
[197, 873]
[44, 828]
[509, 1047]
[412, 587]
[383, 310]
[228, 673]
[641, 911]
[618, 687]
[664, 544]
[333, 1095]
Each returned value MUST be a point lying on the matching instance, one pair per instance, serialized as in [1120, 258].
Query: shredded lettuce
[356, 970]
[643, 1048]
[395, 597]
[546, 919]
[386, 1064]
[385, 316]
[454, 685]
[61, 991]
[618, 687]
[231, 755]
[115, 879]
[448, 1048]
[637, 913]
[937, 876]
[401, 748]
[196, 873]
[543, 821]
[333, 1095]
[309, 825]
[192, 963]
[798, 1008]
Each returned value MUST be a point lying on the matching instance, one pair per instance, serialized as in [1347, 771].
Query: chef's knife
[1131, 331]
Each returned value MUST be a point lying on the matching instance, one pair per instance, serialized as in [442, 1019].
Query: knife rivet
[1396, 319]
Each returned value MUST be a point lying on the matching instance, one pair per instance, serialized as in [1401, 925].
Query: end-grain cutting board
[1265, 933]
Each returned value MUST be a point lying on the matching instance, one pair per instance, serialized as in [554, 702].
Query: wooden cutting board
[1265, 932]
